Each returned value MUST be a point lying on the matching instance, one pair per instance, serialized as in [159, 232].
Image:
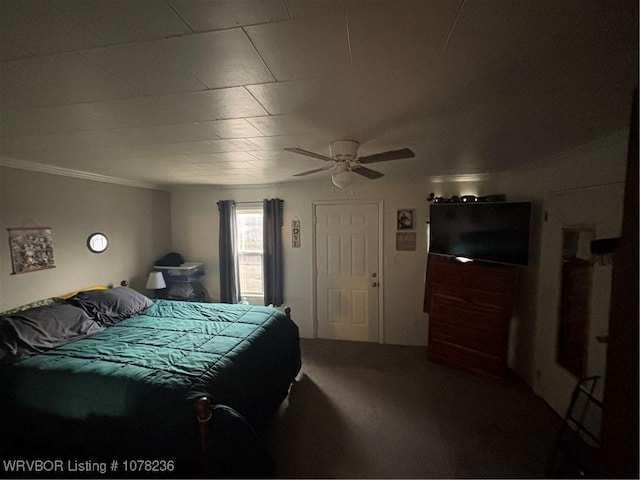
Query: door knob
[374, 284]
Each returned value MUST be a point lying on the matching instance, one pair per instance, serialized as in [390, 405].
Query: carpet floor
[363, 410]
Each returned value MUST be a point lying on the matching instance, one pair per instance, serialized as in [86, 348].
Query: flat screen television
[491, 232]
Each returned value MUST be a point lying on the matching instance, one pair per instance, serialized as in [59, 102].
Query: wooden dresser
[470, 307]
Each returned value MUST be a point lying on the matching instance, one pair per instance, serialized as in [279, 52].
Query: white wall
[589, 179]
[582, 186]
[136, 221]
[588, 183]
[195, 235]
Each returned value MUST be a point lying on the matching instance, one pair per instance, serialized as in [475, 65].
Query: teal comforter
[144, 374]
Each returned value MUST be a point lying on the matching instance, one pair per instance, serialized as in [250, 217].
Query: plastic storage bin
[183, 282]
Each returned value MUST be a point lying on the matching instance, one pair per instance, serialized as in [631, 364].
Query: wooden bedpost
[204, 413]
[287, 312]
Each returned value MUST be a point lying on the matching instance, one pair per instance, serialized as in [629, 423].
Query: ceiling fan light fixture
[344, 160]
[342, 150]
[342, 178]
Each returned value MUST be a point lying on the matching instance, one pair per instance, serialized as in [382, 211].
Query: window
[250, 250]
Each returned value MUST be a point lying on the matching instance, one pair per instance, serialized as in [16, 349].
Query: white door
[347, 271]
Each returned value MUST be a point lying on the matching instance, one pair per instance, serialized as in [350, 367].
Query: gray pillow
[35, 330]
[108, 307]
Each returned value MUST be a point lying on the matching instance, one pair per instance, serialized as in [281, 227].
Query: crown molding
[68, 172]
[461, 178]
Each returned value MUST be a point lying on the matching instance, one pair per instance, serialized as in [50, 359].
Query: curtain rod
[256, 201]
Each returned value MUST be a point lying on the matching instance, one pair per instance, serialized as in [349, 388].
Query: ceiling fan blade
[311, 171]
[390, 155]
[308, 154]
[367, 172]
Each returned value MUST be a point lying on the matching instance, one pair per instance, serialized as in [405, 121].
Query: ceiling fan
[344, 160]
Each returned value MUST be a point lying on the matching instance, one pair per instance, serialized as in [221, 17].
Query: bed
[112, 375]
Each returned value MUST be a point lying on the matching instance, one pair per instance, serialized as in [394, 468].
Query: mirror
[97, 242]
[575, 312]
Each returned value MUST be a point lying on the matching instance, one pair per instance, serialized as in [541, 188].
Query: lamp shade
[155, 281]
[342, 178]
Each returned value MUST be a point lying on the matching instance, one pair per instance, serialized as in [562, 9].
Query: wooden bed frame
[204, 409]
[204, 414]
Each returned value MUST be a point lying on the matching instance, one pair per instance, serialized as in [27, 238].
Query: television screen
[493, 232]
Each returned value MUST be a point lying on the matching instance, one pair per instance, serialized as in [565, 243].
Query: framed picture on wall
[31, 249]
[405, 219]
[406, 241]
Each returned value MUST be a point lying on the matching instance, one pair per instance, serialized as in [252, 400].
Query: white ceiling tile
[125, 21]
[203, 15]
[184, 132]
[63, 78]
[234, 128]
[314, 8]
[140, 111]
[368, 104]
[305, 47]
[38, 27]
[287, 97]
[10, 51]
[90, 85]
[231, 145]
[483, 29]
[89, 81]
[224, 103]
[222, 157]
[181, 132]
[145, 66]
[386, 34]
[219, 59]
[174, 109]
[25, 83]
[164, 152]
[282, 124]
[43, 120]
[61, 141]
[222, 169]
[281, 141]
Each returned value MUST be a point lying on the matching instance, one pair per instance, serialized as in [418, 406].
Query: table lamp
[155, 282]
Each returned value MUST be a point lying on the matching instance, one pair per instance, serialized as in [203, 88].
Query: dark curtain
[229, 281]
[272, 244]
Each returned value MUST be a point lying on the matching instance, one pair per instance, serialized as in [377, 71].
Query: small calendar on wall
[406, 237]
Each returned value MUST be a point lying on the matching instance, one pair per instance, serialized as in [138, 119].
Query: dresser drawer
[471, 298]
[467, 359]
[487, 279]
[477, 319]
[466, 336]
[470, 308]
